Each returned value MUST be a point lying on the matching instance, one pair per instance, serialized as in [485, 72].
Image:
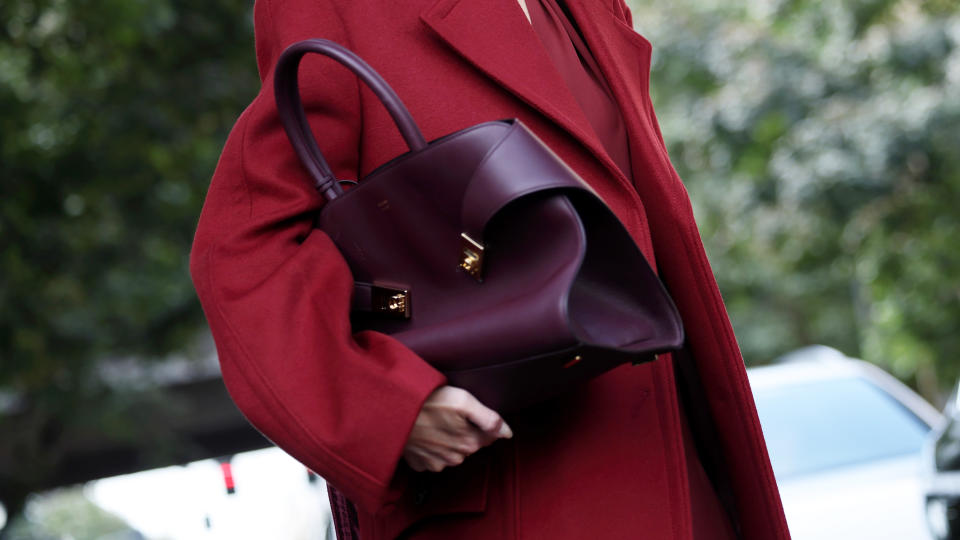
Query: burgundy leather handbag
[484, 253]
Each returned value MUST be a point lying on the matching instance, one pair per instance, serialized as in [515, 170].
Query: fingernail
[505, 431]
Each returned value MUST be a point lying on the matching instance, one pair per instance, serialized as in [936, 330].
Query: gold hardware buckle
[471, 257]
[576, 360]
[389, 301]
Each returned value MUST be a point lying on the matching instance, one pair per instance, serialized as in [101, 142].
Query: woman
[625, 456]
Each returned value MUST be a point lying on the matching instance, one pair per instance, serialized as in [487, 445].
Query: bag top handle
[294, 118]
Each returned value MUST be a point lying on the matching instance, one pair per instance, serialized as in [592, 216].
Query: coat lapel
[497, 39]
[622, 54]
[624, 58]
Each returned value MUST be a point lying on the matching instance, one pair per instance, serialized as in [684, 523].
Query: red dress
[606, 461]
[576, 64]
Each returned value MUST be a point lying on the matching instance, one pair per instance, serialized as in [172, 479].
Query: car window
[816, 425]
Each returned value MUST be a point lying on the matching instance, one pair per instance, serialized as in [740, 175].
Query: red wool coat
[605, 461]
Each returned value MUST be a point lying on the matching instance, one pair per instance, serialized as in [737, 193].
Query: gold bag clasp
[389, 301]
[471, 257]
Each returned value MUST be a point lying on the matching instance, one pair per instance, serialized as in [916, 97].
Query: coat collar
[497, 39]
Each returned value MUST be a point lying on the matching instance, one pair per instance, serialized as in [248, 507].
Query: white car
[942, 479]
[274, 497]
[846, 440]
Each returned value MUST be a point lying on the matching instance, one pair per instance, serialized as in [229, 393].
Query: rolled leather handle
[294, 118]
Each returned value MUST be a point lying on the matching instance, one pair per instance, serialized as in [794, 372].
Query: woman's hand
[451, 425]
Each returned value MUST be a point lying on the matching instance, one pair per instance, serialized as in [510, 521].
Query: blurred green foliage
[112, 116]
[820, 143]
[66, 514]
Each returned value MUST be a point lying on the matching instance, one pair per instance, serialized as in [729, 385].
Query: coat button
[420, 495]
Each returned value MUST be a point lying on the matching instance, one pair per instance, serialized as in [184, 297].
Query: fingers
[470, 443]
[463, 404]
[421, 459]
[451, 426]
[486, 419]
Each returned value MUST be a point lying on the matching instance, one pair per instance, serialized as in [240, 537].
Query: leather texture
[565, 294]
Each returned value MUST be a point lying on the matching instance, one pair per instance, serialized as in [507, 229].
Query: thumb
[487, 420]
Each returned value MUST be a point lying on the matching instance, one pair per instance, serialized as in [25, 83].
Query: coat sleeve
[276, 291]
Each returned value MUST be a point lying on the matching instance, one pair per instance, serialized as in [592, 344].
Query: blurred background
[819, 141]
